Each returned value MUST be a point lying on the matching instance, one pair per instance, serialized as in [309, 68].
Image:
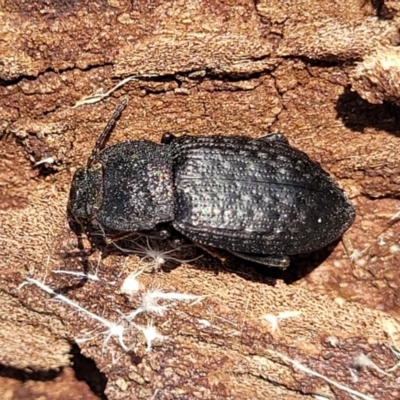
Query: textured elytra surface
[256, 196]
[265, 68]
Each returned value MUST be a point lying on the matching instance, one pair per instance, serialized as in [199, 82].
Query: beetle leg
[212, 252]
[119, 237]
[276, 261]
[162, 233]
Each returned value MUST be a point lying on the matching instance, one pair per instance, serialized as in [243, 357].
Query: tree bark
[323, 73]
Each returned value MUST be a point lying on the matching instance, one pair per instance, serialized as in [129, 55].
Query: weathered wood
[320, 72]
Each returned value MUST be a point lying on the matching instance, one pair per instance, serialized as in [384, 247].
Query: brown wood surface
[325, 73]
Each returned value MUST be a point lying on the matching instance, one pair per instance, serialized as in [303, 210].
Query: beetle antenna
[106, 131]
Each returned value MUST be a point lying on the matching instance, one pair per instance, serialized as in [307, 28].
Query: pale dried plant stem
[99, 95]
[114, 329]
[309, 371]
[66, 300]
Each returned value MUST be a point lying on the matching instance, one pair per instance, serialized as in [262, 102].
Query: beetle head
[86, 194]
[87, 184]
[126, 187]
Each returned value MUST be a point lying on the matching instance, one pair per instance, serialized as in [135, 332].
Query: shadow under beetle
[260, 199]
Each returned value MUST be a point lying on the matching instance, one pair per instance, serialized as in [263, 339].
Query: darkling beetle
[260, 199]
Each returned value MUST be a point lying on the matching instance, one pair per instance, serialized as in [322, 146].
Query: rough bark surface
[324, 73]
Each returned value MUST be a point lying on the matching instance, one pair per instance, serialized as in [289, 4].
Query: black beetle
[260, 199]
